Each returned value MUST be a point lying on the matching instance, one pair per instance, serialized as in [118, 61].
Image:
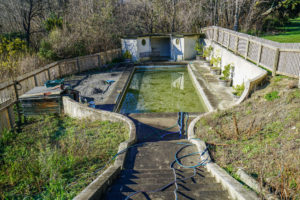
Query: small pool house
[174, 47]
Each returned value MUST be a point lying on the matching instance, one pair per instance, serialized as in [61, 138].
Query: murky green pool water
[161, 89]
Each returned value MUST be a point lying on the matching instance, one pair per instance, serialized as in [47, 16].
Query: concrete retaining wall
[243, 70]
[97, 188]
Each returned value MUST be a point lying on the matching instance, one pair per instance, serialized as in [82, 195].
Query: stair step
[165, 175]
[163, 171]
[165, 180]
[169, 195]
[188, 186]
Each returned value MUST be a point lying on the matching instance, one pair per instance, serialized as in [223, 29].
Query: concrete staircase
[202, 186]
[148, 168]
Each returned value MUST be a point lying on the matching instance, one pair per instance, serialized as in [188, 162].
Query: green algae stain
[166, 89]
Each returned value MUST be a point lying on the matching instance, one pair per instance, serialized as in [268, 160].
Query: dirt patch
[261, 135]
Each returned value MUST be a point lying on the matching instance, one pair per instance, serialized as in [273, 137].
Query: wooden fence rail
[280, 58]
[55, 70]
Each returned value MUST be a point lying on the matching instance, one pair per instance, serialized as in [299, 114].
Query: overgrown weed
[55, 157]
[263, 137]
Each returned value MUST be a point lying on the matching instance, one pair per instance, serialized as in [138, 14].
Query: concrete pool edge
[98, 187]
[123, 92]
[199, 89]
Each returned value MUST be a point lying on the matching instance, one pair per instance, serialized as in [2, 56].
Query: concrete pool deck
[92, 85]
[220, 97]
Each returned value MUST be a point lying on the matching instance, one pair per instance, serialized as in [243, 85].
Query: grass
[55, 157]
[288, 34]
[262, 135]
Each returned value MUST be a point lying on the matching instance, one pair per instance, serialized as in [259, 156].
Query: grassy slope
[266, 139]
[55, 157]
[289, 34]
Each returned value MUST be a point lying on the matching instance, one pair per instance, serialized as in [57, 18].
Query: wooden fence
[8, 91]
[280, 58]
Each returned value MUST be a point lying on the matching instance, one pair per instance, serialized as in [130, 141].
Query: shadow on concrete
[148, 133]
[106, 107]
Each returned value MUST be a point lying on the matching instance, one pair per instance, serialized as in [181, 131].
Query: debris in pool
[97, 91]
[92, 104]
[110, 81]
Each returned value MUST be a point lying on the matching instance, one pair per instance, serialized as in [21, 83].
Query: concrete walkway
[219, 96]
[147, 166]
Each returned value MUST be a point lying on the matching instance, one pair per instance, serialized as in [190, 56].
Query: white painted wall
[243, 69]
[177, 50]
[189, 47]
[131, 46]
[141, 48]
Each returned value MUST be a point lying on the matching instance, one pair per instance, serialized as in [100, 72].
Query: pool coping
[199, 88]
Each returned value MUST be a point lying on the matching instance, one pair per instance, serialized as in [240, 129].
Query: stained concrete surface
[92, 85]
[220, 97]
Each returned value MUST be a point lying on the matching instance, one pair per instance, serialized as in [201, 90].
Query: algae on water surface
[166, 89]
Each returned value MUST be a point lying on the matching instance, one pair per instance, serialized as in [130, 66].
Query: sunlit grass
[289, 34]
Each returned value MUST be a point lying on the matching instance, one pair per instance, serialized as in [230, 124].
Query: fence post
[35, 80]
[228, 40]
[11, 121]
[247, 48]
[49, 76]
[59, 70]
[259, 54]
[236, 44]
[276, 60]
[17, 105]
[222, 42]
[217, 35]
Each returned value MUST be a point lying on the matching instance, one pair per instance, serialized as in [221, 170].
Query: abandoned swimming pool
[161, 89]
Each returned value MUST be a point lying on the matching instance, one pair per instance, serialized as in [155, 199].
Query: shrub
[199, 47]
[215, 61]
[11, 52]
[226, 72]
[127, 55]
[46, 51]
[62, 44]
[272, 95]
[202, 36]
[238, 90]
[53, 22]
[207, 51]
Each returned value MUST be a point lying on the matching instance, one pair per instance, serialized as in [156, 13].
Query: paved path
[219, 96]
[147, 166]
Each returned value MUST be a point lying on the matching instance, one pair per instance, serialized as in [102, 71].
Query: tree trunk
[236, 19]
